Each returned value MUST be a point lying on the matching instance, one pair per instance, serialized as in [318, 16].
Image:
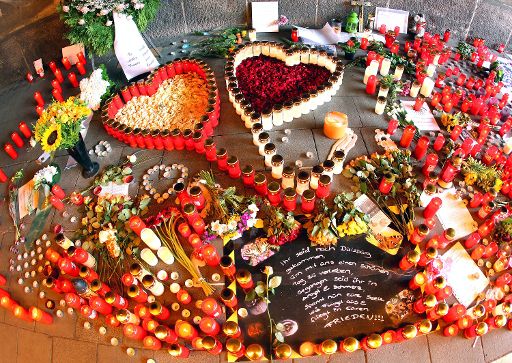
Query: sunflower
[52, 138]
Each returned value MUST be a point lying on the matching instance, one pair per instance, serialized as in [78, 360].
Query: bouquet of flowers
[94, 88]
[90, 21]
[350, 46]
[46, 176]
[485, 177]
[235, 225]
[59, 125]
[281, 226]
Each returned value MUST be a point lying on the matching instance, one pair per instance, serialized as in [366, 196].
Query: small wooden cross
[362, 4]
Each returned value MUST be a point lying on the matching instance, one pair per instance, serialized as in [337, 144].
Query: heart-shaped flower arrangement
[175, 105]
[270, 84]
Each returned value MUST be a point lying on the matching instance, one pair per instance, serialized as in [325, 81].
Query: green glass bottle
[351, 23]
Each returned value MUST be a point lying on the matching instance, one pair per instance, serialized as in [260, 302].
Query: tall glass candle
[407, 136]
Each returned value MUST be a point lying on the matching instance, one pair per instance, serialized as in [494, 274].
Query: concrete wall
[29, 30]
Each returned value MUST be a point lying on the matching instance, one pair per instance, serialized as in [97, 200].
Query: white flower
[215, 226]
[81, 22]
[132, 158]
[108, 23]
[253, 208]
[232, 224]
[93, 88]
[44, 175]
[103, 12]
[32, 142]
[84, 10]
[251, 222]
[65, 8]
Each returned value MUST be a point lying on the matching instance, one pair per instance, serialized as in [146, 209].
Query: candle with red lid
[16, 138]
[40, 316]
[66, 63]
[210, 255]
[185, 330]
[421, 147]
[134, 332]
[209, 326]
[211, 307]
[72, 79]
[407, 136]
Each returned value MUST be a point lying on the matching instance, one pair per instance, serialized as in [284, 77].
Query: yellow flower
[51, 138]
[470, 178]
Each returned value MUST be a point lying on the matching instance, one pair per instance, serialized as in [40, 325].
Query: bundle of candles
[281, 113]
[18, 141]
[165, 139]
[59, 79]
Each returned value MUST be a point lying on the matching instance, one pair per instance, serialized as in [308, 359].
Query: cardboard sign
[71, 51]
[131, 50]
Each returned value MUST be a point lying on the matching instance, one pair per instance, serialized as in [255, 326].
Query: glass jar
[263, 139]
[338, 158]
[313, 101]
[313, 56]
[328, 166]
[256, 130]
[197, 197]
[287, 111]
[324, 187]
[308, 201]
[265, 48]
[274, 193]
[316, 172]
[304, 104]
[247, 117]
[289, 59]
[270, 150]
[237, 103]
[260, 184]
[288, 180]
[290, 199]
[297, 108]
[248, 176]
[277, 163]
[415, 88]
[277, 114]
[322, 58]
[304, 56]
[329, 91]
[255, 119]
[303, 179]
[380, 105]
[321, 95]
[189, 142]
[234, 167]
[222, 159]
[266, 119]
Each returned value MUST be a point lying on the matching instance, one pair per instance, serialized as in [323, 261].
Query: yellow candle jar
[335, 125]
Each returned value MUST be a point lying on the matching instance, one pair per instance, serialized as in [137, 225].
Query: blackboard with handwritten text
[351, 289]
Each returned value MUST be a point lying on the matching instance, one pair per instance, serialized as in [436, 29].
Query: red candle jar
[209, 326]
[392, 126]
[25, 130]
[57, 203]
[407, 136]
[210, 150]
[80, 67]
[324, 187]
[228, 297]
[418, 104]
[274, 193]
[133, 331]
[211, 307]
[227, 266]
[40, 316]
[386, 183]
[39, 99]
[308, 201]
[58, 75]
[260, 184]
[371, 85]
[178, 139]
[66, 63]
[212, 345]
[185, 330]
[409, 260]
[419, 234]
[58, 192]
[430, 163]
[233, 166]
[290, 199]
[210, 255]
[439, 142]
[421, 147]
[3, 177]
[81, 57]
[486, 209]
[433, 206]
[370, 57]
[364, 43]
[222, 159]
[198, 140]
[136, 224]
[436, 97]
[183, 297]
[159, 311]
[456, 131]
[137, 294]
[248, 176]
[29, 77]
[101, 306]
[197, 197]
[417, 281]
[244, 279]
[472, 240]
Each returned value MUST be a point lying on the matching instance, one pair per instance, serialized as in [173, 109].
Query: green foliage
[217, 44]
[465, 50]
[95, 35]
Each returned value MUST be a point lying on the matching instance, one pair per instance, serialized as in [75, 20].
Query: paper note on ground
[453, 213]
[265, 15]
[423, 119]
[114, 189]
[28, 199]
[463, 274]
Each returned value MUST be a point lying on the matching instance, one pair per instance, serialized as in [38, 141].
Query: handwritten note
[350, 289]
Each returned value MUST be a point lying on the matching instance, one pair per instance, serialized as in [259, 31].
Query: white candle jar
[380, 105]
[266, 120]
[165, 255]
[149, 257]
[150, 238]
[277, 115]
[277, 163]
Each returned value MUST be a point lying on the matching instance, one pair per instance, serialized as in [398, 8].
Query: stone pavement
[67, 341]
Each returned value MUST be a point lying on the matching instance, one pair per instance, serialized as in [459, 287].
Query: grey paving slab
[229, 122]
[455, 350]
[108, 353]
[415, 350]
[496, 344]
[67, 350]
[34, 347]
[162, 356]
[345, 105]
[240, 145]
[356, 357]
[366, 107]
[9, 339]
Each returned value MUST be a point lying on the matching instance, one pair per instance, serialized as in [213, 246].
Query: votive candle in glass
[407, 136]
[290, 199]
[260, 184]
[274, 193]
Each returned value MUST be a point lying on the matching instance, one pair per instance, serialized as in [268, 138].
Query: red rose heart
[266, 81]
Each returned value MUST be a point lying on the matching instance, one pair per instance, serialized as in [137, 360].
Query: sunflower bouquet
[59, 125]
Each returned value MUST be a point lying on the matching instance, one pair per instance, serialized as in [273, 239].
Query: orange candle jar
[335, 125]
